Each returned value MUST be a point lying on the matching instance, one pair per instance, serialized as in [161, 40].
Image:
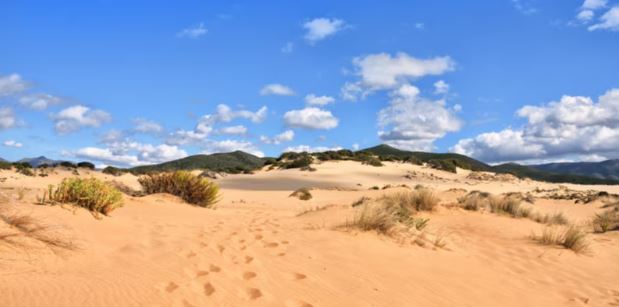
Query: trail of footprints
[255, 231]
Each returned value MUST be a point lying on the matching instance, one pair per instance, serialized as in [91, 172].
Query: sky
[127, 83]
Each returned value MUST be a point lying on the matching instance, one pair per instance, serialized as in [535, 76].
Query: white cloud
[7, 118]
[285, 136]
[112, 136]
[525, 7]
[414, 123]
[276, 89]
[307, 148]
[311, 118]
[314, 100]
[585, 16]
[383, 71]
[39, 101]
[288, 47]
[594, 4]
[572, 126]
[205, 124]
[147, 126]
[233, 130]
[321, 28]
[355, 146]
[12, 84]
[12, 143]
[75, 117]
[608, 21]
[232, 145]
[193, 32]
[128, 153]
[441, 87]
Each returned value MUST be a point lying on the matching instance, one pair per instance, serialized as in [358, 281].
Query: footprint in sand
[171, 287]
[298, 276]
[281, 254]
[285, 242]
[201, 273]
[248, 259]
[249, 275]
[258, 237]
[191, 254]
[271, 245]
[208, 289]
[253, 293]
[297, 303]
[214, 268]
[221, 248]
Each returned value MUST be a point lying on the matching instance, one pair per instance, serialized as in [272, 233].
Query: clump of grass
[92, 194]
[377, 217]
[508, 205]
[361, 201]
[191, 188]
[417, 200]
[24, 226]
[302, 194]
[572, 237]
[557, 218]
[607, 221]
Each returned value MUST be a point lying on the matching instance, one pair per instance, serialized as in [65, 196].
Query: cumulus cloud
[75, 117]
[7, 118]
[129, 153]
[383, 72]
[205, 124]
[320, 28]
[285, 136]
[314, 100]
[594, 4]
[441, 87]
[12, 143]
[573, 126]
[608, 21]
[193, 32]
[276, 89]
[307, 148]
[39, 101]
[413, 122]
[12, 84]
[232, 145]
[146, 126]
[233, 130]
[525, 7]
[310, 118]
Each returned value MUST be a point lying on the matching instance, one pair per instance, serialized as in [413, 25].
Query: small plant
[114, 171]
[607, 221]
[21, 226]
[23, 168]
[373, 161]
[550, 219]
[302, 194]
[421, 223]
[360, 201]
[508, 205]
[189, 187]
[85, 164]
[92, 194]
[572, 238]
[375, 188]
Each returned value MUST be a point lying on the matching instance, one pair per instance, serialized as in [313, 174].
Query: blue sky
[136, 82]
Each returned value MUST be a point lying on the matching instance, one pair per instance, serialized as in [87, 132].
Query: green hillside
[231, 162]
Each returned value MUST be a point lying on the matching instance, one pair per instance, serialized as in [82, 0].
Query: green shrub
[92, 194]
[68, 164]
[114, 171]
[302, 194]
[444, 165]
[373, 161]
[23, 168]
[191, 188]
[85, 164]
[5, 165]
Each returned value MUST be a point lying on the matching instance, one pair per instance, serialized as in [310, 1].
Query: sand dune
[260, 247]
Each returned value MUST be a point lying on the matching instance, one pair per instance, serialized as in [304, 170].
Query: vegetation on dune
[571, 237]
[236, 162]
[85, 164]
[606, 221]
[23, 226]
[92, 194]
[302, 194]
[114, 171]
[191, 188]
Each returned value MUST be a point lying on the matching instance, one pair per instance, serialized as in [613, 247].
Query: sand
[260, 247]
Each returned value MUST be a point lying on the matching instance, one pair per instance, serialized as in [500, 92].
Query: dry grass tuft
[191, 188]
[92, 194]
[607, 221]
[557, 218]
[22, 227]
[421, 199]
[572, 237]
[302, 194]
[509, 206]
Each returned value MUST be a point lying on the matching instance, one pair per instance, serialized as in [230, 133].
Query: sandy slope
[254, 250]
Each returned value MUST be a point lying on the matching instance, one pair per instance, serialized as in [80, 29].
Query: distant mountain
[231, 162]
[608, 169]
[35, 162]
[459, 160]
